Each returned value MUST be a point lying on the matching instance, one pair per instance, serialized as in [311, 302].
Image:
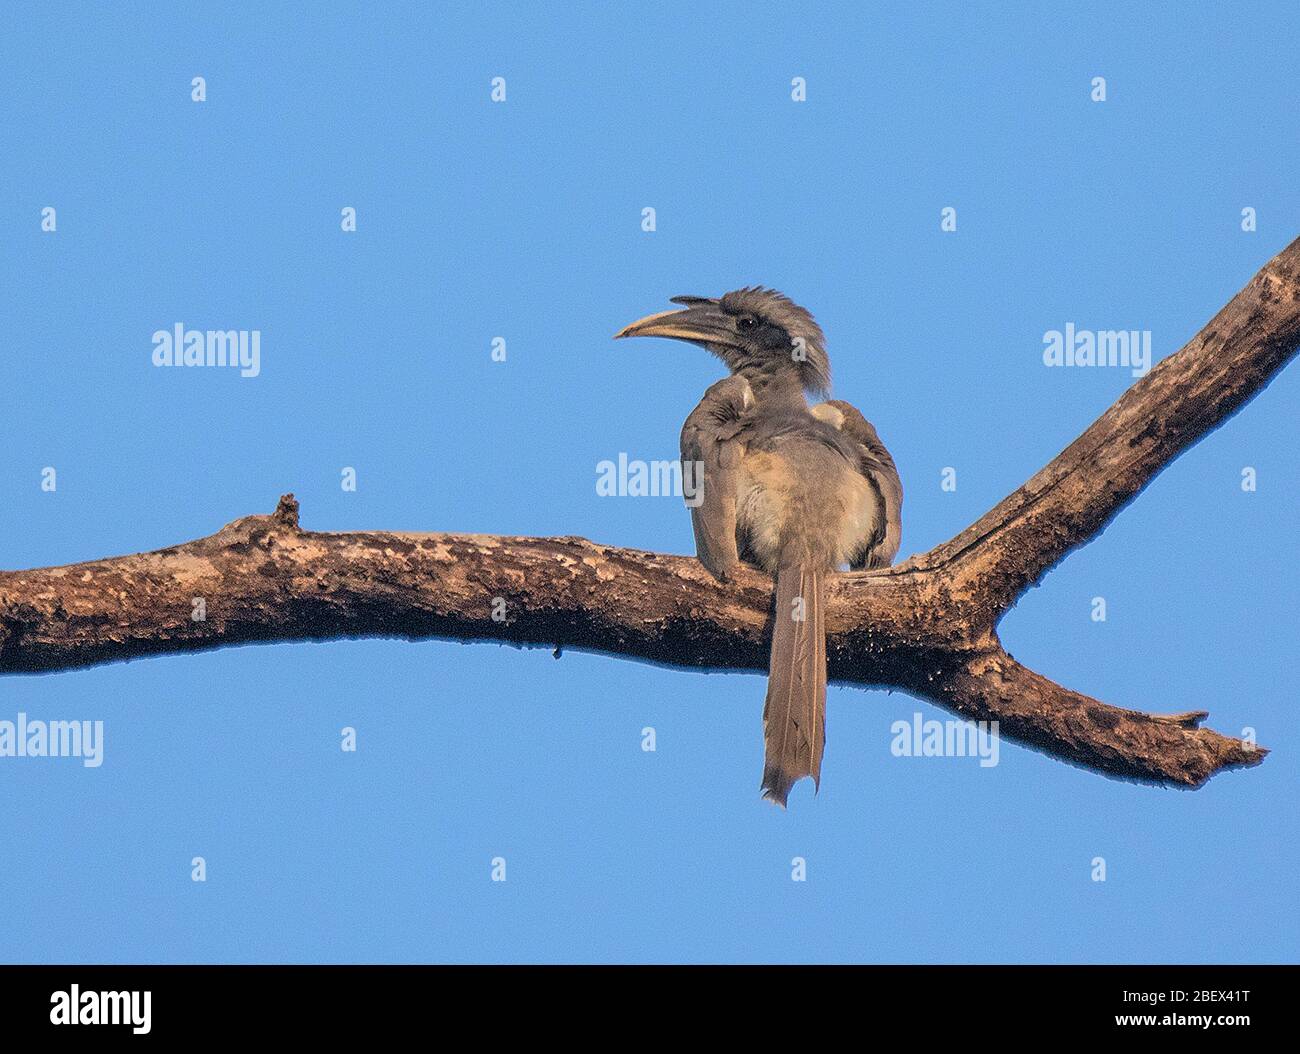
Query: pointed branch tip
[286, 512]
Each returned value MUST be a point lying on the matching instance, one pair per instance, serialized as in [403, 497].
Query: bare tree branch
[926, 626]
[1184, 398]
[1166, 748]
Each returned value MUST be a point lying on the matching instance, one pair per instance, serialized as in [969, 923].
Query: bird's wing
[711, 452]
[877, 466]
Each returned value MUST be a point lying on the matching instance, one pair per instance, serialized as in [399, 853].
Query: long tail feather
[794, 715]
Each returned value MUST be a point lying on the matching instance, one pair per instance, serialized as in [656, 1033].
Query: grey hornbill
[798, 491]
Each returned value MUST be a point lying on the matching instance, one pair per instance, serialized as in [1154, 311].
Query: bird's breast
[763, 487]
[812, 504]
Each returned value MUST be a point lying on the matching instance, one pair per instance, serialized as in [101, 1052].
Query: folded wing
[712, 447]
[877, 467]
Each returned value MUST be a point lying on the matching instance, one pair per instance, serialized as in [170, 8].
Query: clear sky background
[523, 220]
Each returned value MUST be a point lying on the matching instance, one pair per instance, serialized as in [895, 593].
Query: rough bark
[927, 626]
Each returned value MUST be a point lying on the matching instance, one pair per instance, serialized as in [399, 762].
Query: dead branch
[927, 626]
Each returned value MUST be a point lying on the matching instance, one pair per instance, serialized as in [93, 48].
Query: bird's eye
[747, 322]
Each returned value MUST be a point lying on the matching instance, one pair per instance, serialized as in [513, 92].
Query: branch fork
[927, 626]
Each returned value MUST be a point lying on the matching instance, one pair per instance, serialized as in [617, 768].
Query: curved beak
[701, 321]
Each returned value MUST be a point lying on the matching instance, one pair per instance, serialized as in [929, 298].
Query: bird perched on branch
[797, 490]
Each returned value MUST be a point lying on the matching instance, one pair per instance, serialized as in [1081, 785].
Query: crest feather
[774, 306]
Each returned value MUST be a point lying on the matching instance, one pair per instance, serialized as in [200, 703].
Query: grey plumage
[797, 491]
[711, 452]
[877, 466]
[794, 712]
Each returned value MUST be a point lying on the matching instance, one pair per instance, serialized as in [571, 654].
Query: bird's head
[759, 333]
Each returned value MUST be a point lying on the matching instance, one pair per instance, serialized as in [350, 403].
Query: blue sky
[522, 220]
